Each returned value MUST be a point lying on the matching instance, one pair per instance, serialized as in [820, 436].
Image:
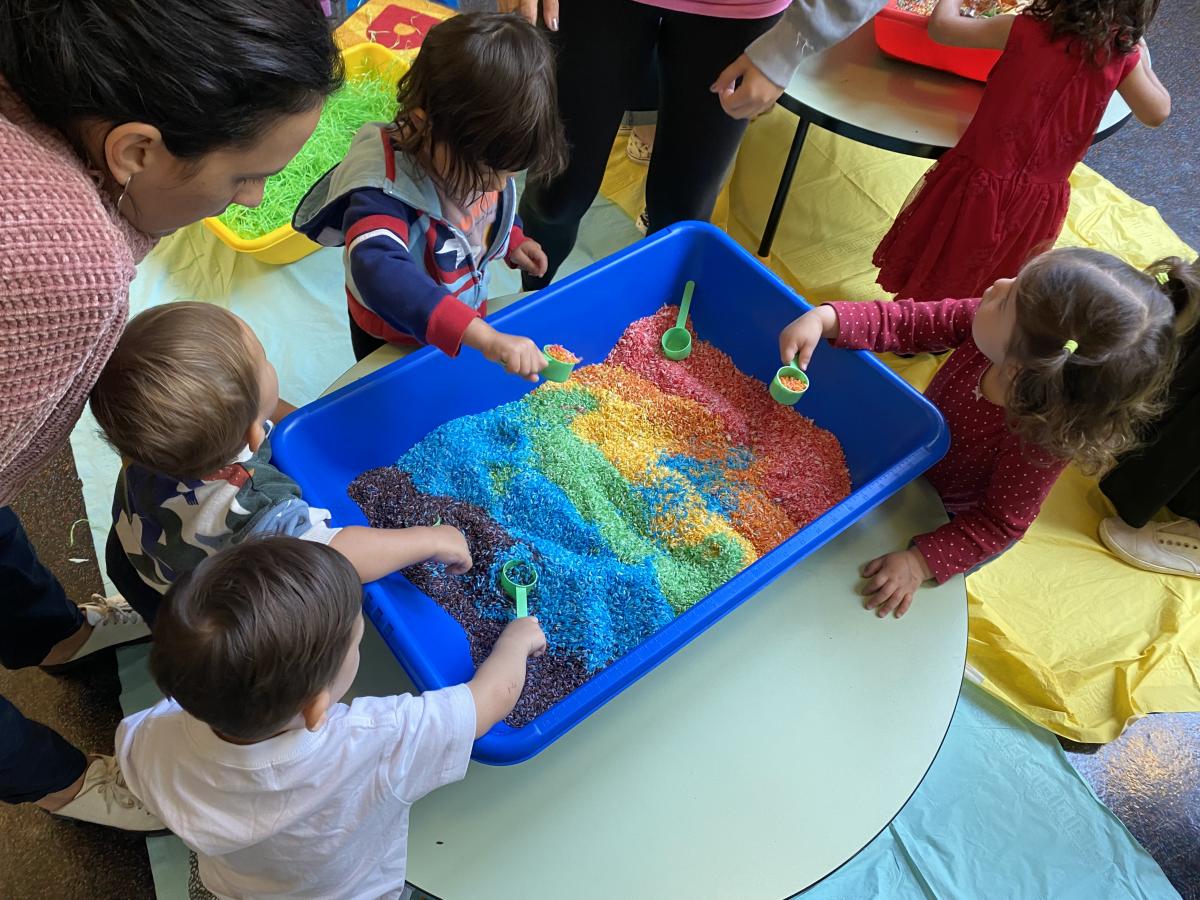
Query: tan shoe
[114, 624]
[105, 799]
[1170, 548]
[638, 150]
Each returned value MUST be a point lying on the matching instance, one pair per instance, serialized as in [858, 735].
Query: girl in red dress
[1001, 193]
[1063, 364]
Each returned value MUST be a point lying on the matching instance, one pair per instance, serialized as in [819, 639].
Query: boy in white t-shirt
[281, 790]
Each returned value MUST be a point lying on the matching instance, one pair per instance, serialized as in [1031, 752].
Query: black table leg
[785, 182]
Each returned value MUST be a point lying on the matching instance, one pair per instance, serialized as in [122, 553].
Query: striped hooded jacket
[410, 274]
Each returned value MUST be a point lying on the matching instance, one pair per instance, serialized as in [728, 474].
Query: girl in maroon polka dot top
[1061, 364]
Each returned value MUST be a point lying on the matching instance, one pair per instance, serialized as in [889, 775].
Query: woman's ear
[128, 149]
[315, 710]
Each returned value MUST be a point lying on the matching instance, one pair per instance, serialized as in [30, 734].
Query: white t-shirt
[314, 815]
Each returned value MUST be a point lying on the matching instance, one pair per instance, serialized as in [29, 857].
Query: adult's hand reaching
[755, 94]
[529, 8]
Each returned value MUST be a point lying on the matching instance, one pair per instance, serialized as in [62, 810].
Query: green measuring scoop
[518, 577]
[556, 369]
[677, 341]
[784, 394]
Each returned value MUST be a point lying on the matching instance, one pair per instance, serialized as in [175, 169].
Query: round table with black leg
[856, 91]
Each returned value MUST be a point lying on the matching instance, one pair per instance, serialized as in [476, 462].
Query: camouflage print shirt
[167, 527]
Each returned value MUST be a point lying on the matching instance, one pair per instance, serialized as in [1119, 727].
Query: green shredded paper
[364, 98]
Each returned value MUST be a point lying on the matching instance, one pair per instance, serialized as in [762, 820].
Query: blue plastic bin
[890, 434]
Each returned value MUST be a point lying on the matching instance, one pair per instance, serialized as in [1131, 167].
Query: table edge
[897, 144]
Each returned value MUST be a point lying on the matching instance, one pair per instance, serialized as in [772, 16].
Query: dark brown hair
[482, 88]
[207, 75]
[255, 632]
[1089, 405]
[1101, 28]
[180, 391]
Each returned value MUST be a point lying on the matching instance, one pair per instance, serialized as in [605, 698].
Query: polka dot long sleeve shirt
[991, 482]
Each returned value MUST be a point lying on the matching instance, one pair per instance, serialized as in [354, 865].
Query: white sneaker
[114, 623]
[1172, 548]
[105, 799]
[638, 150]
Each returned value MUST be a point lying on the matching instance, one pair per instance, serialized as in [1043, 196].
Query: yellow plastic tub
[284, 245]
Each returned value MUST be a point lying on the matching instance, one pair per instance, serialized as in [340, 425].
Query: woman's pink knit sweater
[66, 261]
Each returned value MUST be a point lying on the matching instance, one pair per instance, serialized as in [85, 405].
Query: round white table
[853, 89]
[751, 764]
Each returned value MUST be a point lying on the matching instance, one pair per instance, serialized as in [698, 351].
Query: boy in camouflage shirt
[188, 399]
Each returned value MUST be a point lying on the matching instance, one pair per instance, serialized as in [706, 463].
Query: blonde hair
[180, 391]
[1088, 404]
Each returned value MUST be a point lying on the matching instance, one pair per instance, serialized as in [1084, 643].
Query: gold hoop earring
[124, 192]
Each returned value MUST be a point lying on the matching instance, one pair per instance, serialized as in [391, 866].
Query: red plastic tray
[904, 35]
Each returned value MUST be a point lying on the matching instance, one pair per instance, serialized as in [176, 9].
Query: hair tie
[1071, 346]
[1162, 277]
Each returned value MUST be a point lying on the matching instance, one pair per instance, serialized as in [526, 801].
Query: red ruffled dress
[1002, 191]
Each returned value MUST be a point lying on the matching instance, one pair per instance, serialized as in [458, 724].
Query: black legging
[603, 48]
[1166, 471]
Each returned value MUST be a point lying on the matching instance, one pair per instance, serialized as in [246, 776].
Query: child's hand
[800, 339]
[530, 258]
[450, 547]
[526, 634]
[519, 355]
[893, 581]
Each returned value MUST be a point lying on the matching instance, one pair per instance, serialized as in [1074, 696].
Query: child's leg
[143, 598]
[695, 141]
[364, 344]
[602, 48]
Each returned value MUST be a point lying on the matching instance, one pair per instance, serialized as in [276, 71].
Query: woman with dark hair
[120, 122]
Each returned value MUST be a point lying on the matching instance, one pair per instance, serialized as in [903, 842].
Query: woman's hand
[530, 258]
[893, 579]
[755, 94]
[528, 9]
[799, 340]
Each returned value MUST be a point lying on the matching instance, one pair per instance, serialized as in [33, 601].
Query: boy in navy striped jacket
[425, 203]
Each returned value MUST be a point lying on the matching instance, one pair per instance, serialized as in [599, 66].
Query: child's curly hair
[1089, 405]
[1102, 28]
[482, 88]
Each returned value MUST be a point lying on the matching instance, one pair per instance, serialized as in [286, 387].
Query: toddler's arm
[948, 26]
[1018, 486]
[1147, 98]
[390, 282]
[378, 552]
[519, 355]
[525, 253]
[498, 682]
[903, 326]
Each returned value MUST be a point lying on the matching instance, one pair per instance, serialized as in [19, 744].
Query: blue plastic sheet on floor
[1001, 813]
